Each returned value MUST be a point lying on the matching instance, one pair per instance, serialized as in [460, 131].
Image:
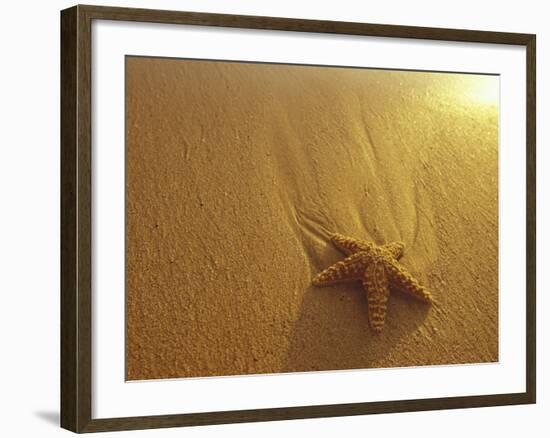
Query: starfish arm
[348, 269]
[349, 245]
[404, 281]
[395, 249]
[375, 282]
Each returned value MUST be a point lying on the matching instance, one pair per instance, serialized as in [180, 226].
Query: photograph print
[289, 218]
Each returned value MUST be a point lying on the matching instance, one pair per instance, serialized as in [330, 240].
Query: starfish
[377, 267]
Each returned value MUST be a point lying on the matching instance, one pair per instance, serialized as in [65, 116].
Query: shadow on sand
[332, 330]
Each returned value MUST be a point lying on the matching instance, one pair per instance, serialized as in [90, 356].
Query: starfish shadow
[332, 330]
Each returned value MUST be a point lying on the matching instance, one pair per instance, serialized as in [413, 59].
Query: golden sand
[237, 175]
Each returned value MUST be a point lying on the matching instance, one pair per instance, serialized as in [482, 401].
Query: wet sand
[236, 175]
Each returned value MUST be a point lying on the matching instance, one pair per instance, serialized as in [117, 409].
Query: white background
[29, 219]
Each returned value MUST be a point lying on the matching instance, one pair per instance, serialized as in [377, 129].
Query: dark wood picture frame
[76, 217]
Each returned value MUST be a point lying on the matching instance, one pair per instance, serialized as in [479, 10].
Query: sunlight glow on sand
[484, 90]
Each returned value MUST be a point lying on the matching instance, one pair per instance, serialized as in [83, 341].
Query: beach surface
[237, 174]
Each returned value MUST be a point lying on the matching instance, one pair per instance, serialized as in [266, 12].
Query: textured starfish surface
[378, 269]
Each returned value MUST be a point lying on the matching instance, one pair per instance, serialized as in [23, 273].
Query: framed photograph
[271, 218]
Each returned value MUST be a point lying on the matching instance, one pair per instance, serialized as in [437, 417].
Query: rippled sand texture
[236, 174]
